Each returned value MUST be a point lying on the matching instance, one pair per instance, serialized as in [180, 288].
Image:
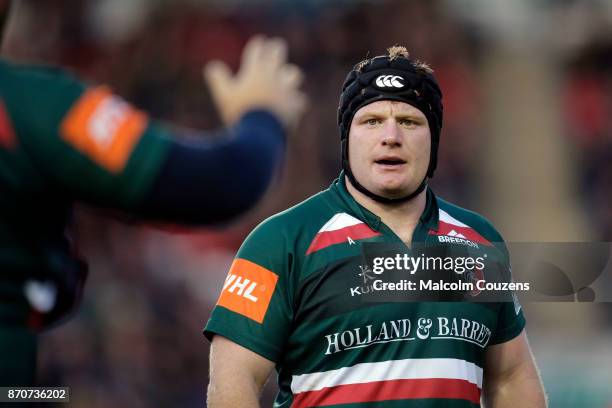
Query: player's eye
[407, 122]
[373, 121]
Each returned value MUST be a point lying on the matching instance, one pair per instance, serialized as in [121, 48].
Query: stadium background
[527, 141]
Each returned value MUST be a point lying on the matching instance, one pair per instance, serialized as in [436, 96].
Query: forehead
[389, 108]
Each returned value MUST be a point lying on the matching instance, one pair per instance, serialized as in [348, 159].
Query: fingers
[275, 52]
[218, 76]
[291, 75]
[262, 53]
[252, 53]
[264, 80]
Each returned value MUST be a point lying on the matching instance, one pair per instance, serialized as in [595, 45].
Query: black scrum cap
[391, 77]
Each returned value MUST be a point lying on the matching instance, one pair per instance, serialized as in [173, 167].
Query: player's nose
[392, 135]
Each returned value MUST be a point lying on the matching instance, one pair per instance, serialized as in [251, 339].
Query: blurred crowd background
[527, 141]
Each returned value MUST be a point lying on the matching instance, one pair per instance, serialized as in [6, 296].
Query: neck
[402, 218]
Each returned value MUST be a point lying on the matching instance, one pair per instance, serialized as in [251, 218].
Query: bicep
[231, 363]
[506, 358]
[510, 371]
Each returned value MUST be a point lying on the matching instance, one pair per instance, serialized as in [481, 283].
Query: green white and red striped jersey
[295, 294]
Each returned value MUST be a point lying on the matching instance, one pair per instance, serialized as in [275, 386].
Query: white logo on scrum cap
[389, 81]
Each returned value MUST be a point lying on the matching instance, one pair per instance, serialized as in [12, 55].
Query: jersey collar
[428, 220]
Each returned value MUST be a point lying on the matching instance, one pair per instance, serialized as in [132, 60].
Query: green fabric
[317, 299]
[17, 357]
[37, 99]
[42, 174]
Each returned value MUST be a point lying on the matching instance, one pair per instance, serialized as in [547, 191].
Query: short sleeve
[510, 322]
[510, 319]
[254, 308]
[85, 140]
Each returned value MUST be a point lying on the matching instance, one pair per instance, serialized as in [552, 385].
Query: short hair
[395, 52]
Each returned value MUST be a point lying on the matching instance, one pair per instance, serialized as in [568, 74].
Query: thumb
[218, 77]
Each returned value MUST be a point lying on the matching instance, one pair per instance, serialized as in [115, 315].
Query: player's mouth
[390, 162]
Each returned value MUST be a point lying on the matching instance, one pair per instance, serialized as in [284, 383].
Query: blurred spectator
[588, 109]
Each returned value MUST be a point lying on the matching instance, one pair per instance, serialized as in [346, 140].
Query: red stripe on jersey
[327, 238]
[446, 388]
[467, 232]
[7, 134]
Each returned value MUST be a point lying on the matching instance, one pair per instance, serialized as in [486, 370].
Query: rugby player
[62, 140]
[294, 296]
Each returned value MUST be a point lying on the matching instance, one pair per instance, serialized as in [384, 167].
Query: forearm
[204, 183]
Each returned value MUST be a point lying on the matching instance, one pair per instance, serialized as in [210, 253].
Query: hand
[264, 81]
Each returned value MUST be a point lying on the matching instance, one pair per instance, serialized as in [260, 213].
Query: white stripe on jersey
[445, 217]
[339, 221]
[418, 368]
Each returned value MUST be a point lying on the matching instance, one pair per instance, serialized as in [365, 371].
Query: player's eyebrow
[410, 115]
[371, 115]
[380, 114]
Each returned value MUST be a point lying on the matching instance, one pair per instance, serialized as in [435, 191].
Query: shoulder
[462, 223]
[308, 215]
[37, 95]
[35, 72]
[291, 228]
[23, 80]
[454, 215]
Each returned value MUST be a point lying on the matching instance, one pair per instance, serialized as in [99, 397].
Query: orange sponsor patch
[248, 289]
[104, 127]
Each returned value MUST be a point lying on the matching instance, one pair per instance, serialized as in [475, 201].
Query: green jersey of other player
[61, 141]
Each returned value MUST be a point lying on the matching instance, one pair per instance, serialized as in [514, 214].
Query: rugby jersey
[296, 294]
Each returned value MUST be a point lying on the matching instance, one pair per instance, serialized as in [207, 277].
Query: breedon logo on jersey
[453, 231]
[248, 289]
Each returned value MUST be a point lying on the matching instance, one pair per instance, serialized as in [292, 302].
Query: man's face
[389, 148]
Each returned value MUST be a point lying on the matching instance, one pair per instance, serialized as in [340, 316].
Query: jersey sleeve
[85, 140]
[254, 308]
[510, 318]
[510, 322]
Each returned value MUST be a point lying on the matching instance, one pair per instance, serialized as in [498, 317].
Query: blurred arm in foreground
[62, 140]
